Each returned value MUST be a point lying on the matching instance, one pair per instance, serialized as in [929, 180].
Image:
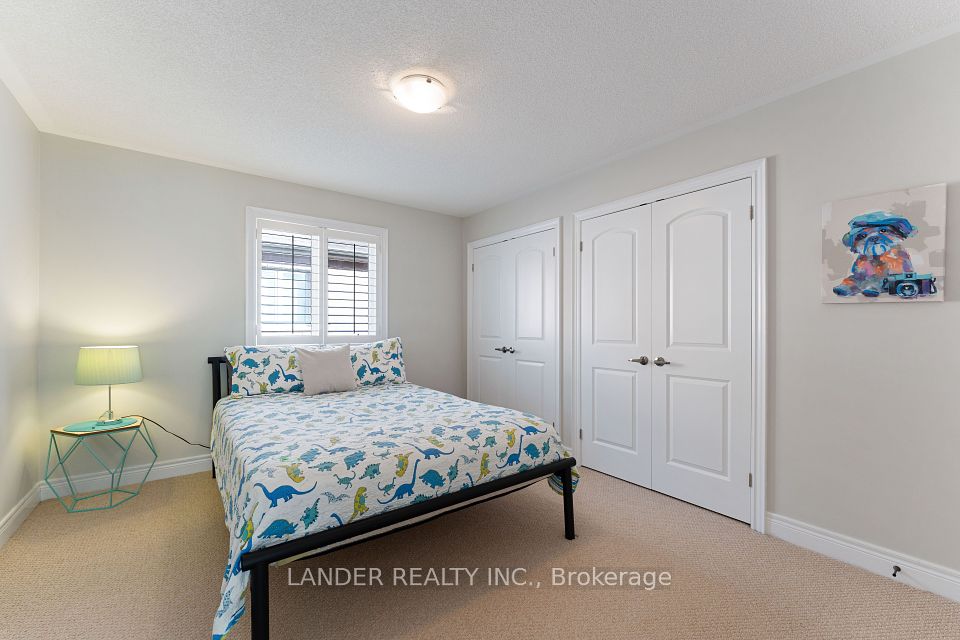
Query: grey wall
[863, 436]
[20, 440]
[139, 249]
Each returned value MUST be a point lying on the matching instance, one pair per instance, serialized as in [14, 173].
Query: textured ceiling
[297, 90]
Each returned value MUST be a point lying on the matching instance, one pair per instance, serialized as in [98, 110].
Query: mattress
[289, 465]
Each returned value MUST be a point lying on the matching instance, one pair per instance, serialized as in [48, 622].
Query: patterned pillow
[269, 369]
[378, 362]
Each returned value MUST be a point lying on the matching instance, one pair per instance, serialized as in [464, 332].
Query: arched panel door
[514, 325]
[701, 315]
[614, 338]
[493, 312]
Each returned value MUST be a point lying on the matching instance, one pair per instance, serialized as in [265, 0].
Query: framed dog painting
[888, 247]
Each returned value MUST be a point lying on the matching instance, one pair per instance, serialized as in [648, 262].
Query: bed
[305, 475]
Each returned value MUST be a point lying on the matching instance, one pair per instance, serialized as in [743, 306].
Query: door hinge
[751, 212]
[554, 251]
[581, 245]
[581, 434]
[749, 479]
[473, 267]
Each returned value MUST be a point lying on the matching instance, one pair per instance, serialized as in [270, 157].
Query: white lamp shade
[108, 365]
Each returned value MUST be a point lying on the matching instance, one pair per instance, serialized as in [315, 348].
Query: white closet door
[515, 331]
[494, 312]
[614, 331]
[534, 359]
[701, 311]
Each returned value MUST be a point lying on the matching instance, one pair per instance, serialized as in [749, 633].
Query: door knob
[500, 349]
[660, 361]
[510, 350]
[640, 360]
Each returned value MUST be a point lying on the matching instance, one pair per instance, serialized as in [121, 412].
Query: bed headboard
[219, 364]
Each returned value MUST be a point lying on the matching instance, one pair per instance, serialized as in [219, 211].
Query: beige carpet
[151, 569]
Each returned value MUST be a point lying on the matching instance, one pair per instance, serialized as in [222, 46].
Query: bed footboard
[259, 561]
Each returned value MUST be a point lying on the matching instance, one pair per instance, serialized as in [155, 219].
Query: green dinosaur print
[453, 471]
[359, 503]
[372, 471]
[403, 459]
[491, 441]
[246, 531]
[387, 489]
[334, 498]
[346, 481]
[324, 466]
[484, 466]
[310, 514]
[294, 472]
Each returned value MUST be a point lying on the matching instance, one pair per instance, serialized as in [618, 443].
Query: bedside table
[64, 441]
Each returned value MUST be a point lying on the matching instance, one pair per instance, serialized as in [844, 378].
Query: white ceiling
[297, 90]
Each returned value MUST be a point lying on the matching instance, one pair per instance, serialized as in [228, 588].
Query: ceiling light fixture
[420, 94]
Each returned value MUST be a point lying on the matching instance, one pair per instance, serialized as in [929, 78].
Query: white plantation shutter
[351, 286]
[314, 284]
[290, 283]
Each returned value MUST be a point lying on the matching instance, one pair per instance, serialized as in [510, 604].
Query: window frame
[326, 229]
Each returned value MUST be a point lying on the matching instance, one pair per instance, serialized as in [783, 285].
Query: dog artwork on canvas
[893, 248]
[876, 239]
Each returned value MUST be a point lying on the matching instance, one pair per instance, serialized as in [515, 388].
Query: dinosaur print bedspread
[289, 465]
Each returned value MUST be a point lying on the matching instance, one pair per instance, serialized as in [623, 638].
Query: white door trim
[555, 224]
[756, 170]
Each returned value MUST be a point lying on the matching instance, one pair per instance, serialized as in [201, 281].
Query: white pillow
[327, 371]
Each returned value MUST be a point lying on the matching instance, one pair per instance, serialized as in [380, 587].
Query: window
[313, 281]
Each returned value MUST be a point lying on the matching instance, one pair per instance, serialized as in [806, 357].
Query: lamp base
[106, 419]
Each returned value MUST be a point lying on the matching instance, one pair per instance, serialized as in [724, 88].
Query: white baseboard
[879, 560]
[12, 521]
[101, 480]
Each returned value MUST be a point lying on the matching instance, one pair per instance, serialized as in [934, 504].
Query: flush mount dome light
[420, 94]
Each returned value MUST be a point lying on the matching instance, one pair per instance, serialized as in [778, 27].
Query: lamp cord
[192, 444]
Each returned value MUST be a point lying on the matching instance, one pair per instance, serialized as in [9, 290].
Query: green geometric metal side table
[123, 435]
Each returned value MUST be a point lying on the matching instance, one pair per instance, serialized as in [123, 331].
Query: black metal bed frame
[259, 561]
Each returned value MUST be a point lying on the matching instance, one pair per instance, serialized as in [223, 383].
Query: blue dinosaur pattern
[339, 444]
[284, 492]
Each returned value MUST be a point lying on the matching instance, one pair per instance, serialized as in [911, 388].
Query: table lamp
[109, 366]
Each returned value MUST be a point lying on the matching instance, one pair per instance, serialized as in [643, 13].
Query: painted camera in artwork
[888, 247]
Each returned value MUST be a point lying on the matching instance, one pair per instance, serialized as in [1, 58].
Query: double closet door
[665, 346]
[514, 333]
